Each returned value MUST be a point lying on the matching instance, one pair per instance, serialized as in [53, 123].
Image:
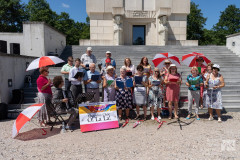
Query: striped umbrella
[44, 61]
[190, 59]
[160, 58]
[25, 116]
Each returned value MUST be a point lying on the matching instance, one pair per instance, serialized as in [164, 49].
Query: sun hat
[216, 66]
[109, 67]
[108, 60]
[167, 61]
[172, 65]
[89, 48]
[108, 52]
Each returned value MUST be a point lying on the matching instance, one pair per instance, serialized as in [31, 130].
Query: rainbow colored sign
[98, 116]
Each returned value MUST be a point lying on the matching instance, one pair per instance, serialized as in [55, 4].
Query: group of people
[139, 86]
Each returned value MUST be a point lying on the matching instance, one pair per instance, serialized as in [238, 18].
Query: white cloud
[65, 5]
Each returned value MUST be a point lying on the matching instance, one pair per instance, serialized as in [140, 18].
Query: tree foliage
[195, 24]
[229, 23]
[12, 14]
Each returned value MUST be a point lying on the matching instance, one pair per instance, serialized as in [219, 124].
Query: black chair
[54, 113]
[84, 97]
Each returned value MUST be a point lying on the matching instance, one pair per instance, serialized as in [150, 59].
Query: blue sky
[77, 8]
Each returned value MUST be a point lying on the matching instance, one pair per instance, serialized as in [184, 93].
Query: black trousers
[76, 90]
[67, 84]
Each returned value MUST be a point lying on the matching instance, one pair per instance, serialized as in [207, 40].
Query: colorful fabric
[66, 68]
[193, 81]
[213, 97]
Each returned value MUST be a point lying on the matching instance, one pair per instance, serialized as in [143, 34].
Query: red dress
[172, 91]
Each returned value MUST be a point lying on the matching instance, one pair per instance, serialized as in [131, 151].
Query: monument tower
[138, 22]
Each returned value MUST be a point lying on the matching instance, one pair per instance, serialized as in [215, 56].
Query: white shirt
[88, 59]
[72, 73]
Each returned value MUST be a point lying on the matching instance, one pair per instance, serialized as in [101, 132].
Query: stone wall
[12, 38]
[12, 67]
[233, 43]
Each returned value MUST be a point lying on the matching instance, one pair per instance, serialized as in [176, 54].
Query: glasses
[215, 68]
[47, 71]
[167, 63]
[173, 68]
[70, 61]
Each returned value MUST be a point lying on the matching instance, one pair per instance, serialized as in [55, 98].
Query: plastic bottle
[63, 128]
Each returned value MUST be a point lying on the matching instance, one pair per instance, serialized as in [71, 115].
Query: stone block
[118, 11]
[179, 30]
[93, 36]
[163, 4]
[105, 23]
[93, 23]
[84, 42]
[96, 6]
[183, 24]
[96, 16]
[109, 4]
[149, 5]
[174, 24]
[105, 36]
[107, 16]
[133, 5]
[182, 37]
[108, 30]
[96, 30]
[181, 6]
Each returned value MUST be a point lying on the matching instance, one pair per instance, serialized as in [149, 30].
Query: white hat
[108, 52]
[89, 48]
[167, 61]
[109, 67]
[216, 66]
[172, 65]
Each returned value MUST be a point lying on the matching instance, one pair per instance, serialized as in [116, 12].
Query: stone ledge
[184, 43]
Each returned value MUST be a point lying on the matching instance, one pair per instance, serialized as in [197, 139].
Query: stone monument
[123, 22]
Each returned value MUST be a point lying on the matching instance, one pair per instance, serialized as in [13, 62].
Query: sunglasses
[167, 63]
[47, 71]
[215, 68]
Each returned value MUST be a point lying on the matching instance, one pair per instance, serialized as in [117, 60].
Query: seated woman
[61, 104]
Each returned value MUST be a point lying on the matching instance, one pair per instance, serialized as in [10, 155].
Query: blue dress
[213, 97]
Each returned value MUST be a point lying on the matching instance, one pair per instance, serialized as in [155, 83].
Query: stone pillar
[162, 30]
[118, 30]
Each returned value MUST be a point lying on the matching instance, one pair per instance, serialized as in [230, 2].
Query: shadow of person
[37, 133]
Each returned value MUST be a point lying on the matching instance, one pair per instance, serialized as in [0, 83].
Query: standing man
[65, 71]
[76, 86]
[92, 85]
[103, 63]
[88, 58]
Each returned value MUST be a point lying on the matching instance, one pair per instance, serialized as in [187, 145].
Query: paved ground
[199, 140]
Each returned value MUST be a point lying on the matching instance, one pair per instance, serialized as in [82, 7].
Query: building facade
[37, 39]
[138, 22]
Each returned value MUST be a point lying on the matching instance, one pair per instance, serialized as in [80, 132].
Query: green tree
[195, 24]
[229, 23]
[39, 10]
[12, 14]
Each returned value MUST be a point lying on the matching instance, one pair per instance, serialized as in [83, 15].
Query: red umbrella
[44, 61]
[160, 58]
[190, 59]
[25, 116]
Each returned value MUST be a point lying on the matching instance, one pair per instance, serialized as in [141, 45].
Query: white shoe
[159, 117]
[210, 118]
[219, 119]
[152, 118]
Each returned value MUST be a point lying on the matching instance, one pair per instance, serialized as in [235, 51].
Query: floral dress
[123, 97]
[109, 91]
[155, 94]
[213, 97]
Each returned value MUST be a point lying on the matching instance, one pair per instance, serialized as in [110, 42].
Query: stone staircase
[229, 62]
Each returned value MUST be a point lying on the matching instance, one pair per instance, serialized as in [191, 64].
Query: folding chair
[84, 97]
[53, 113]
